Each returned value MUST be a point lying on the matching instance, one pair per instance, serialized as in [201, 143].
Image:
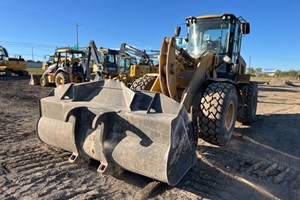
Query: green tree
[292, 73]
[258, 71]
[278, 73]
[251, 71]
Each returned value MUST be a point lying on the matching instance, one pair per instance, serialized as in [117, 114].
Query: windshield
[208, 35]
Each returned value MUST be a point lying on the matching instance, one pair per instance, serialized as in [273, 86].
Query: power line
[29, 44]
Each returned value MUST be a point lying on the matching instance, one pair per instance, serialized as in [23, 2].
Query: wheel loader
[199, 92]
[71, 66]
[11, 65]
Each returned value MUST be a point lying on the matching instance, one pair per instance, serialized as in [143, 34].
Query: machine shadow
[218, 173]
[292, 89]
[277, 133]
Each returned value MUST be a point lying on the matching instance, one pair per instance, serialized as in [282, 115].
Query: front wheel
[61, 78]
[218, 111]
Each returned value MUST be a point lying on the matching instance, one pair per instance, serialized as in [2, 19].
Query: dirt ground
[260, 162]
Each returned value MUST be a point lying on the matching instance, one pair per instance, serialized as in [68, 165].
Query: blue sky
[40, 25]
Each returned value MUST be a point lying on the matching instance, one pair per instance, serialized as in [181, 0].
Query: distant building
[269, 72]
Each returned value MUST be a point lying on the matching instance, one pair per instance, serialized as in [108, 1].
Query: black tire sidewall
[213, 113]
[248, 112]
[63, 76]
[252, 101]
[230, 98]
[45, 79]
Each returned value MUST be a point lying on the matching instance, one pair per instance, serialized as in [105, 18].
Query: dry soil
[260, 162]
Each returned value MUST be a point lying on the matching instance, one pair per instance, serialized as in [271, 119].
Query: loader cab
[125, 62]
[221, 34]
[109, 59]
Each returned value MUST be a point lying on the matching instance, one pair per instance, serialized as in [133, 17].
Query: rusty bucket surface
[142, 132]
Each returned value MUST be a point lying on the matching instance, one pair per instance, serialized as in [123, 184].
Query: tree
[258, 71]
[291, 73]
[251, 71]
[278, 73]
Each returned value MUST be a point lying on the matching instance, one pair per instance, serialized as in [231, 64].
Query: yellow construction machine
[199, 91]
[208, 75]
[123, 65]
[71, 66]
[11, 65]
[49, 60]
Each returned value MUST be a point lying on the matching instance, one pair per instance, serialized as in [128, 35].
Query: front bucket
[142, 132]
[35, 79]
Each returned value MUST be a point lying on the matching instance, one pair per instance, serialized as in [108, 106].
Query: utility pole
[249, 61]
[77, 25]
[32, 54]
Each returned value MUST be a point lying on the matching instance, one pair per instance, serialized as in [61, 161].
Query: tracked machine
[11, 65]
[198, 92]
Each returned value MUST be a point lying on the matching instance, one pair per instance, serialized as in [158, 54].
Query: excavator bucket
[142, 132]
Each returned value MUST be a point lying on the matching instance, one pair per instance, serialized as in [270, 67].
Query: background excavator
[198, 91]
[145, 65]
[127, 64]
[11, 65]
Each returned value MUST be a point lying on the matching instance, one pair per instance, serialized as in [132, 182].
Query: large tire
[218, 111]
[44, 81]
[248, 112]
[143, 83]
[61, 78]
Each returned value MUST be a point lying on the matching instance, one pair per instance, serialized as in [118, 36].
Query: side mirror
[177, 31]
[245, 28]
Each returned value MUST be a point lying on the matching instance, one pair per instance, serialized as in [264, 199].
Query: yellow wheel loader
[71, 66]
[11, 65]
[66, 69]
[155, 133]
[208, 75]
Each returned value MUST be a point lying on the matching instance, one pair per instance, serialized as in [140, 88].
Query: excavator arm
[92, 53]
[125, 48]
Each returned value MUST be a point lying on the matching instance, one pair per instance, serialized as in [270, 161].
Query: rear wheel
[143, 83]
[218, 110]
[247, 115]
[61, 78]
[44, 81]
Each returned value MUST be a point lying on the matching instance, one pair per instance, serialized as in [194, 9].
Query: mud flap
[142, 132]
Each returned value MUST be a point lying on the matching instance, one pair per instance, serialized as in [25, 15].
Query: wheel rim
[229, 116]
[59, 80]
